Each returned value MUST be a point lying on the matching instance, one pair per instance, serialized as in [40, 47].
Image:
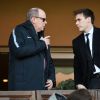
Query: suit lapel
[96, 43]
[82, 44]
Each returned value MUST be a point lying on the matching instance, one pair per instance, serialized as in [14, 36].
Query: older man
[30, 63]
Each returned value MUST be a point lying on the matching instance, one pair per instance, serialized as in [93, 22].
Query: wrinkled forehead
[42, 13]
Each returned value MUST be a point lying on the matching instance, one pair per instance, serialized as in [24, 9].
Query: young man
[30, 63]
[86, 48]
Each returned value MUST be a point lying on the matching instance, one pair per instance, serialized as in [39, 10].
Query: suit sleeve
[20, 48]
[77, 65]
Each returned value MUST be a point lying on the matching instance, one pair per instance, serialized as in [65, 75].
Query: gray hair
[32, 12]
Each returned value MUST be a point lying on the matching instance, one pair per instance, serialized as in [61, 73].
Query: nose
[45, 22]
[77, 22]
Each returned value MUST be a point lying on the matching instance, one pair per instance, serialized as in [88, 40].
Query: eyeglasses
[43, 19]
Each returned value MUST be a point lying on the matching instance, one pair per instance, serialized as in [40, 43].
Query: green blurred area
[64, 69]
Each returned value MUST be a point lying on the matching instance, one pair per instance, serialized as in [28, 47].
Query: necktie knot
[87, 35]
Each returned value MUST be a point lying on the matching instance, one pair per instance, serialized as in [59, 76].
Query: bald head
[36, 12]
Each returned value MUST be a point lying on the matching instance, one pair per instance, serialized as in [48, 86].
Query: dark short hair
[81, 94]
[86, 12]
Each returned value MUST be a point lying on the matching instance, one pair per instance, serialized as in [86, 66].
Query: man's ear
[89, 19]
[33, 19]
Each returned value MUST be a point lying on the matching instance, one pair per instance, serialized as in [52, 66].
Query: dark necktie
[87, 44]
[90, 59]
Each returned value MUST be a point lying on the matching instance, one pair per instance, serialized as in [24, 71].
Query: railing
[45, 94]
[17, 95]
[57, 52]
[40, 94]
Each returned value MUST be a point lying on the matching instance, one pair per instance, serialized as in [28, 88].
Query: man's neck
[88, 28]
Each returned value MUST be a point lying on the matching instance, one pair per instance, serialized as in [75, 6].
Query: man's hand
[80, 86]
[49, 84]
[46, 40]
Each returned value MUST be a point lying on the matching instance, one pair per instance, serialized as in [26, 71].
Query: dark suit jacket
[26, 60]
[82, 65]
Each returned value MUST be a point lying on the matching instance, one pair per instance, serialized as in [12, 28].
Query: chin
[80, 30]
